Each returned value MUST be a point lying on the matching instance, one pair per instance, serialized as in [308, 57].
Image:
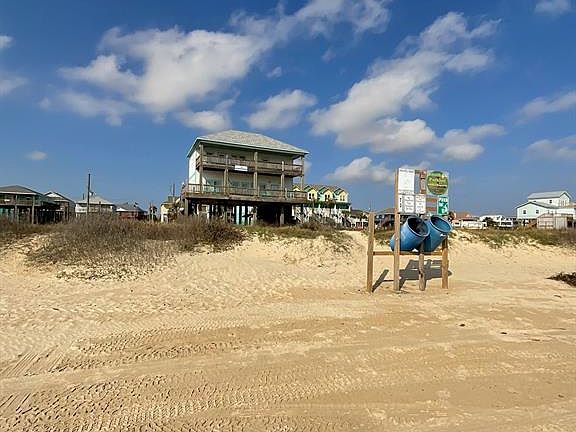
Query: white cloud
[275, 73]
[463, 145]
[167, 71]
[87, 105]
[317, 17]
[8, 82]
[562, 149]
[470, 59]
[421, 166]
[36, 155]
[362, 170]
[553, 7]
[210, 121]
[540, 106]
[5, 41]
[388, 135]
[104, 71]
[367, 116]
[282, 110]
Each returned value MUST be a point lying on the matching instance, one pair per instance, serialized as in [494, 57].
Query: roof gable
[17, 189]
[57, 196]
[127, 207]
[249, 140]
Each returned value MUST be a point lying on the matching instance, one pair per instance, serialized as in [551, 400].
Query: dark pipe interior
[418, 226]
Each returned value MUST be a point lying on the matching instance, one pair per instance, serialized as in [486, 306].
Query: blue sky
[485, 90]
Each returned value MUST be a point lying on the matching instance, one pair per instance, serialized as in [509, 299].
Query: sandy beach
[280, 336]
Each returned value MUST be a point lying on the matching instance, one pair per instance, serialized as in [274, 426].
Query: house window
[326, 197]
[537, 211]
[523, 211]
[550, 201]
[310, 196]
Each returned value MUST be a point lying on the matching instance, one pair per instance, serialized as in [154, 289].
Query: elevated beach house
[22, 204]
[67, 208]
[243, 177]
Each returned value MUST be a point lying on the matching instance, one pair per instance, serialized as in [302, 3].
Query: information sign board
[443, 206]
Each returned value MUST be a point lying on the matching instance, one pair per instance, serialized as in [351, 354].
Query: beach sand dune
[280, 336]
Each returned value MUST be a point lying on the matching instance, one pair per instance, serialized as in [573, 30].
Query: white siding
[562, 200]
[532, 210]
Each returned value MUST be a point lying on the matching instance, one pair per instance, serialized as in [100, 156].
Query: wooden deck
[250, 166]
[245, 195]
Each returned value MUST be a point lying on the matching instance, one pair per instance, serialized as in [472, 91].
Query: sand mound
[280, 335]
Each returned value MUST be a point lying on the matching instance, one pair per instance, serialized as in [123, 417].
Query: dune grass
[11, 231]
[499, 238]
[106, 246]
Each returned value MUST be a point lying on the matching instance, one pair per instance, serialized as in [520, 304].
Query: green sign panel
[437, 183]
[443, 206]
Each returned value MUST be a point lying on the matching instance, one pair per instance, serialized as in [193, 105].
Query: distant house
[130, 211]
[384, 218]
[67, 208]
[555, 202]
[358, 219]
[170, 209]
[466, 220]
[97, 205]
[22, 204]
[324, 202]
[498, 221]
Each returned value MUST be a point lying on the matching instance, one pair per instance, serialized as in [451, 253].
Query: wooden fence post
[445, 263]
[396, 237]
[370, 253]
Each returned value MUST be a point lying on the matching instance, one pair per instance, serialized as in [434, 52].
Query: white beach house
[555, 202]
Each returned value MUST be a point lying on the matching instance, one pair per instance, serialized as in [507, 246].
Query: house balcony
[241, 194]
[10, 201]
[249, 166]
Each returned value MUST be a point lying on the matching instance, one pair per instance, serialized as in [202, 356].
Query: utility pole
[88, 197]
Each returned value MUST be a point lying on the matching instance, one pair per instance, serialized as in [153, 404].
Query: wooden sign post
[421, 175]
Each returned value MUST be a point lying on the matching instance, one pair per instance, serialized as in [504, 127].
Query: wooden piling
[370, 253]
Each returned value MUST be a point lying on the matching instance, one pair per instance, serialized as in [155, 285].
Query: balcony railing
[242, 165]
[234, 191]
[25, 202]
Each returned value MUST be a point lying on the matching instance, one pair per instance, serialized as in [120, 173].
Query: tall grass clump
[106, 246]
[12, 231]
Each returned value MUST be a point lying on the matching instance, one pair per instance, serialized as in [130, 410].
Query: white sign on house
[242, 168]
